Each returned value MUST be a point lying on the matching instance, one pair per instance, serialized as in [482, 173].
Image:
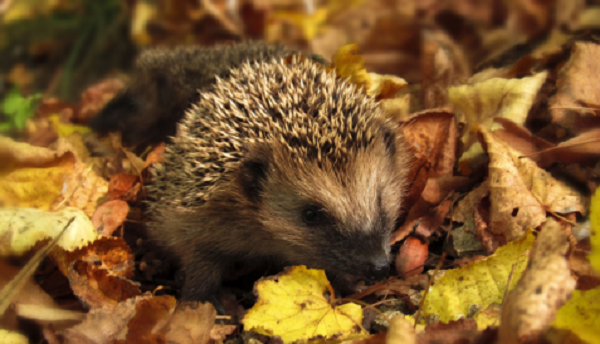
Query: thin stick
[437, 268]
[16, 284]
[505, 293]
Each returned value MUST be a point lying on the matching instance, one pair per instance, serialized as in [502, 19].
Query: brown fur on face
[360, 201]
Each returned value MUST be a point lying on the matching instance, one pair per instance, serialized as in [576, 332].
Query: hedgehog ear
[254, 172]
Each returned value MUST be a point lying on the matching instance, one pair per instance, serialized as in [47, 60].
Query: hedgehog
[280, 162]
[166, 81]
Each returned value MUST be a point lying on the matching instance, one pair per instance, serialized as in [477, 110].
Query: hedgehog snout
[378, 267]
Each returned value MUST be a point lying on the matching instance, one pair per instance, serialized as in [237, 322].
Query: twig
[13, 287]
[437, 268]
[505, 293]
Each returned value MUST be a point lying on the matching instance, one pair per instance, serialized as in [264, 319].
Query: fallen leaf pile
[498, 240]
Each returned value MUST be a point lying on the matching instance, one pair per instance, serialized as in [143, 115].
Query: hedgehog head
[331, 215]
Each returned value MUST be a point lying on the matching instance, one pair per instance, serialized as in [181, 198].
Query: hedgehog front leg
[203, 276]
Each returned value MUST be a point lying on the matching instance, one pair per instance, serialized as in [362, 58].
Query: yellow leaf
[480, 283]
[350, 65]
[64, 130]
[581, 315]
[385, 86]
[293, 306]
[11, 337]
[595, 238]
[22, 228]
[143, 12]
[37, 177]
[481, 102]
[487, 317]
[311, 24]
[32, 176]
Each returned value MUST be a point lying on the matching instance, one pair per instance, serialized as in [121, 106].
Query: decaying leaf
[578, 95]
[42, 178]
[521, 192]
[109, 253]
[432, 134]
[193, 323]
[22, 228]
[96, 287]
[479, 283]
[543, 288]
[110, 216]
[293, 306]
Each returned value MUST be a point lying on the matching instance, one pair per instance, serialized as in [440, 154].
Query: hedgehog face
[326, 216]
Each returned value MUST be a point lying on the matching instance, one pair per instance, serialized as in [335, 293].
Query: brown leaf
[578, 96]
[583, 148]
[109, 253]
[521, 192]
[432, 134]
[443, 65]
[110, 216]
[521, 139]
[109, 324]
[545, 285]
[124, 186]
[96, 287]
[192, 323]
[435, 191]
[95, 97]
[155, 156]
[148, 313]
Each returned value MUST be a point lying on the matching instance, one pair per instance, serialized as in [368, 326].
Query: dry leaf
[544, 287]
[444, 64]
[97, 287]
[191, 323]
[481, 102]
[22, 228]
[110, 216]
[108, 324]
[577, 95]
[432, 134]
[521, 192]
[124, 186]
[109, 253]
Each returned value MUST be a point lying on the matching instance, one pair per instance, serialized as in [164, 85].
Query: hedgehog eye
[313, 215]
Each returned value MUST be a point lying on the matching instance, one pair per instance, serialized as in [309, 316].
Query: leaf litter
[505, 144]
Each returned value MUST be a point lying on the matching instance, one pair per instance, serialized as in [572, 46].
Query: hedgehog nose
[378, 268]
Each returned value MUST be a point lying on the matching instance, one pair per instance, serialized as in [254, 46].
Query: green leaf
[18, 109]
[13, 102]
[4, 127]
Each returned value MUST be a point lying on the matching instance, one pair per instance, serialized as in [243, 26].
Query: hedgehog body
[166, 81]
[282, 161]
